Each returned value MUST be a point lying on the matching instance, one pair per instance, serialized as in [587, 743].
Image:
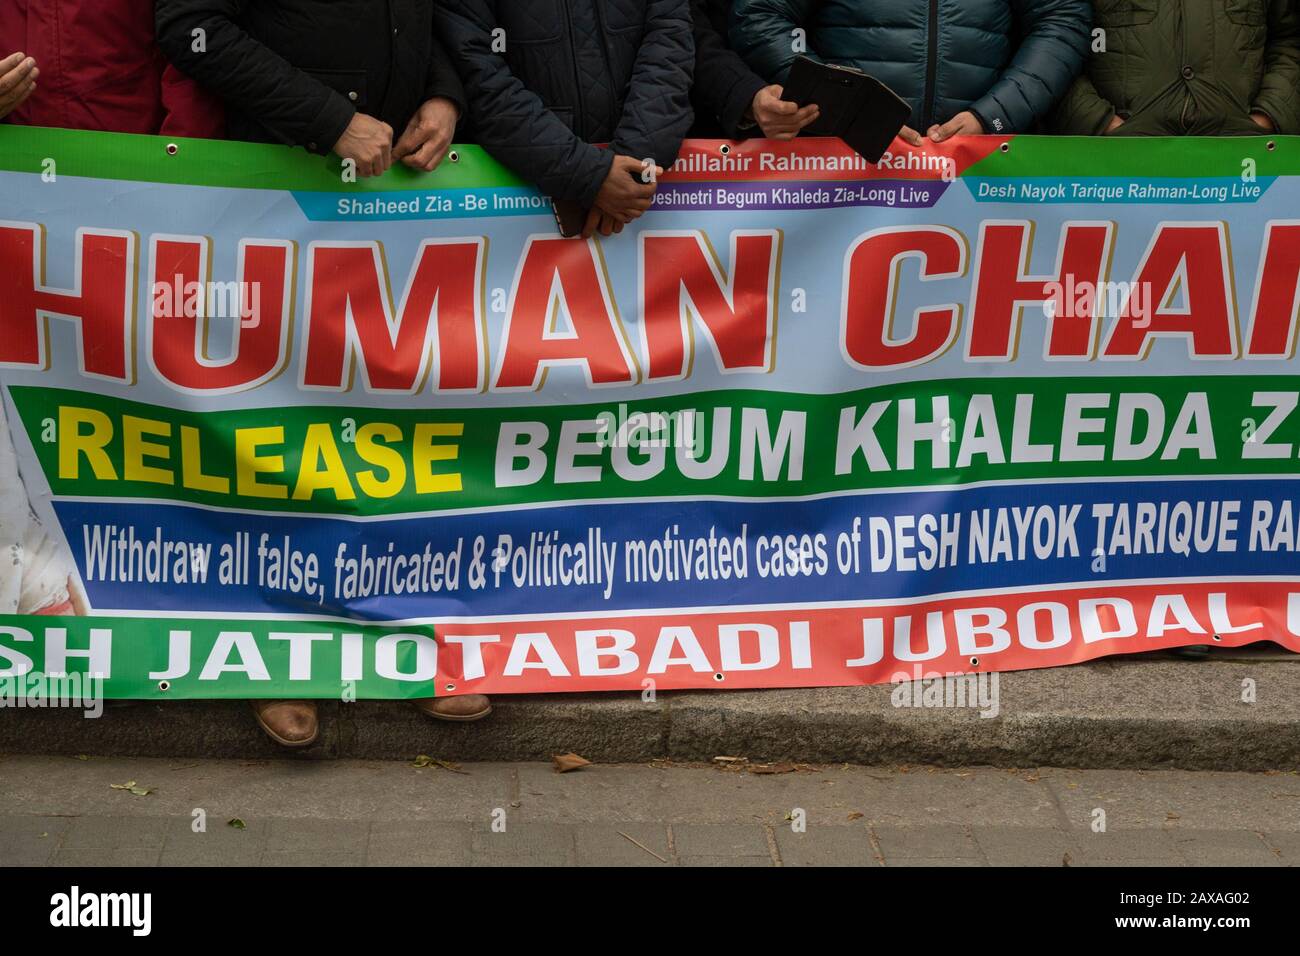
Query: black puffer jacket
[724, 84]
[573, 73]
[297, 71]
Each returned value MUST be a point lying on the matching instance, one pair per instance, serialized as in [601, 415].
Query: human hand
[626, 192]
[602, 222]
[368, 142]
[17, 80]
[963, 124]
[428, 135]
[1263, 121]
[778, 118]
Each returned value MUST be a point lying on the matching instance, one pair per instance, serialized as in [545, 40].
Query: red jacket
[101, 70]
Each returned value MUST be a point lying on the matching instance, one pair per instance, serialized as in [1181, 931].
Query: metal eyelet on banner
[450, 687]
[974, 662]
[172, 149]
[164, 686]
[718, 677]
[1005, 147]
[454, 156]
[725, 149]
[1271, 146]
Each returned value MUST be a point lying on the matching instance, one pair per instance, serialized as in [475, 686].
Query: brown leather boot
[290, 723]
[465, 707]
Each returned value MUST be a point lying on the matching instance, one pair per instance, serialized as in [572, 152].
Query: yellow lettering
[73, 443]
[425, 452]
[248, 464]
[192, 475]
[135, 448]
[370, 448]
[319, 448]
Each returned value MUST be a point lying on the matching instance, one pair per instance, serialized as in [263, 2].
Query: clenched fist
[428, 135]
[368, 142]
[626, 192]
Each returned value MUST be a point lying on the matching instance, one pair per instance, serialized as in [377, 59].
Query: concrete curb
[1122, 713]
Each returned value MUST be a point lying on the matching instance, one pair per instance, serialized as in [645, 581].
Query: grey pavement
[1240, 710]
[57, 810]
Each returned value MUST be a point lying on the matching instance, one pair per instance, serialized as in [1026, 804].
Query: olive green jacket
[1187, 67]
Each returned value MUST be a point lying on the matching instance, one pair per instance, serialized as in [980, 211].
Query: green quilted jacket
[1178, 67]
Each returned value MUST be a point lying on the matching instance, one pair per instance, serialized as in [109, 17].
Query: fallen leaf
[132, 787]
[570, 761]
[1172, 816]
[730, 760]
[855, 815]
[781, 768]
[1065, 860]
[424, 760]
[237, 823]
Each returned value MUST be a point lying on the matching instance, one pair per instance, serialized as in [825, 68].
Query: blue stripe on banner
[451, 548]
[1113, 189]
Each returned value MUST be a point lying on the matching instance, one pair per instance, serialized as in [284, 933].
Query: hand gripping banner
[1002, 403]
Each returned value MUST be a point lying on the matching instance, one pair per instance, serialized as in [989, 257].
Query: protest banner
[996, 404]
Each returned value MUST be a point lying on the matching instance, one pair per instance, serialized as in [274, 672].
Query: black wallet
[854, 106]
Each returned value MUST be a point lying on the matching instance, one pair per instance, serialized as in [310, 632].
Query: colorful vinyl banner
[997, 404]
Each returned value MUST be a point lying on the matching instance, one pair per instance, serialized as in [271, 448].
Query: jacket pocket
[350, 83]
[536, 21]
[1252, 13]
[543, 67]
[1125, 13]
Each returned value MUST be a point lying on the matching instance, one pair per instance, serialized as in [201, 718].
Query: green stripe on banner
[205, 162]
[1142, 156]
[198, 162]
[363, 461]
[160, 658]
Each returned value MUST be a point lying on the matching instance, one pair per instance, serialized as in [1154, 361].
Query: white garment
[33, 568]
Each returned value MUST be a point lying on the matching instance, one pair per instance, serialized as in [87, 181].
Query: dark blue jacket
[546, 79]
[1006, 61]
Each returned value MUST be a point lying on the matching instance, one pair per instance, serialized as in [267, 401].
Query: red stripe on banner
[834, 647]
[765, 160]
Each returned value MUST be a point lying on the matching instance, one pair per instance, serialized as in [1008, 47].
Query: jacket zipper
[1181, 25]
[931, 67]
[580, 120]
